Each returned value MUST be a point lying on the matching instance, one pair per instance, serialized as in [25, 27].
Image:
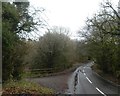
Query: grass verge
[25, 87]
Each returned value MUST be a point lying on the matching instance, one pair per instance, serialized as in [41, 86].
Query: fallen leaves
[25, 87]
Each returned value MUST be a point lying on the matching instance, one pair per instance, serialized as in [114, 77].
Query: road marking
[89, 80]
[84, 74]
[83, 70]
[100, 91]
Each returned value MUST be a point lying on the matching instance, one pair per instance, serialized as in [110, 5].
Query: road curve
[85, 81]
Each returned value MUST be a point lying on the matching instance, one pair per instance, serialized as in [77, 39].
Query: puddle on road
[76, 80]
[73, 84]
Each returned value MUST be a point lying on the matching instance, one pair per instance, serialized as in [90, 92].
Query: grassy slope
[20, 87]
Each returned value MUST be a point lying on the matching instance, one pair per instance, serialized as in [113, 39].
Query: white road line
[100, 91]
[89, 80]
[84, 74]
[83, 70]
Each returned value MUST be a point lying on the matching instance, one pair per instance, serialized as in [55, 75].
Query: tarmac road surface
[85, 81]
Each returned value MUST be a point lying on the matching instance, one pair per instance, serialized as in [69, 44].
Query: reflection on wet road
[85, 81]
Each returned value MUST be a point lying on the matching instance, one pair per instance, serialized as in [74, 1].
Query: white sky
[68, 13]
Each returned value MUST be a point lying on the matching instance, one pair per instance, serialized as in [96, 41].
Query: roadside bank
[107, 77]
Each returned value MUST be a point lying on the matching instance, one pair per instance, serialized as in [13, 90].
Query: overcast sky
[68, 13]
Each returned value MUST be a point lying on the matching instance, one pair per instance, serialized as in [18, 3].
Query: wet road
[85, 81]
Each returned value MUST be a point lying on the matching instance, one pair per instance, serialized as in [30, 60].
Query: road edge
[114, 84]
